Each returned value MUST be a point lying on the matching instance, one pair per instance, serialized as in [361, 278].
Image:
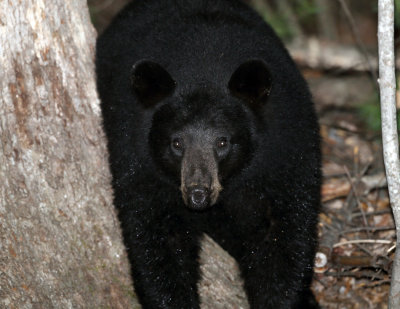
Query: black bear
[211, 129]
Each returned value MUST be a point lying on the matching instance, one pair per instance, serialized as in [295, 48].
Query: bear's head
[202, 137]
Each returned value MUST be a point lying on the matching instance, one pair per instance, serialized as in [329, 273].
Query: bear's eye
[222, 142]
[177, 144]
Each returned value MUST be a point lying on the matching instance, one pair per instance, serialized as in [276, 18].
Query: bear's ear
[151, 82]
[251, 82]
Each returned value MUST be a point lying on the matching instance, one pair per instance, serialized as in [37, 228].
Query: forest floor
[356, 228]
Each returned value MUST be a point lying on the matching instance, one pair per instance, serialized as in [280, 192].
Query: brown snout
[200, 197]
[199, 179]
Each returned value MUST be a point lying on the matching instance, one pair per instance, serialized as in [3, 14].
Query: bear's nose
[199, 197]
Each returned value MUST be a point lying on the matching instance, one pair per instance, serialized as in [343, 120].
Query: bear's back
[194, 41]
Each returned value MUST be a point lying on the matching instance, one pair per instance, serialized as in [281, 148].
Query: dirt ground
[356, 228]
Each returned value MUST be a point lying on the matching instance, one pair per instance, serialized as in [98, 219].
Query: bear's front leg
[276, 262]
[163, 255]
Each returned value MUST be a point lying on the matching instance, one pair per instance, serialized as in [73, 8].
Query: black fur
[177, 77]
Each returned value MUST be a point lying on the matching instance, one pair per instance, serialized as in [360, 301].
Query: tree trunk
[390, 139]
[60, 244]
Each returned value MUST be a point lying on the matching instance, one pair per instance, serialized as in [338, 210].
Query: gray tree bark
[60, 243]
[390, 139]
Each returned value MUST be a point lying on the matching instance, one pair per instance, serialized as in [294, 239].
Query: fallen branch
[342, 187]
[316, 54]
